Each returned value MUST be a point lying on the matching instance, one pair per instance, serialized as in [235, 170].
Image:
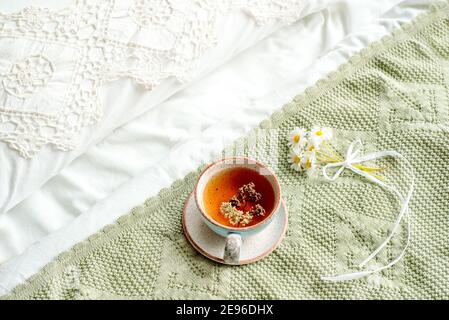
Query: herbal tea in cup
[237, 197]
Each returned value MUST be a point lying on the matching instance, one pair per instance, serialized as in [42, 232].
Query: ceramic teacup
[235, 235]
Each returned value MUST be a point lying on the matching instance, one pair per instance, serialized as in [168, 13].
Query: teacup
[235, 235]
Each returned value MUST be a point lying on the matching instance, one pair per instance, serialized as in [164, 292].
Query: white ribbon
[351, 159]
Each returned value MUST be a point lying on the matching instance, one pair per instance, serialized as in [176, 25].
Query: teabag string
[352, 157]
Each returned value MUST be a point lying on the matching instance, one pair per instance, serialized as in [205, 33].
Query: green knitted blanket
[392, 95]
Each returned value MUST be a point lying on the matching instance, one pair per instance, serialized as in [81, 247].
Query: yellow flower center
[319, 132]
[308, 163]
[296, 138]
[296, 159]
[311, 148]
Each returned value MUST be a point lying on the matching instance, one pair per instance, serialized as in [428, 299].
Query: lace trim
[53, 62]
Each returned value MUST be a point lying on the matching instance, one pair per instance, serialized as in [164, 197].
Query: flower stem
[327, 155]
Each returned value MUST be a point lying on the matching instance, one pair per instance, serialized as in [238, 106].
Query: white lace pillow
[59, 70]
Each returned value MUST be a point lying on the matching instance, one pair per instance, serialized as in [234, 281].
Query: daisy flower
[295, 160]
[298, 138]
[310, 147]
[318, 135]
[309, 161]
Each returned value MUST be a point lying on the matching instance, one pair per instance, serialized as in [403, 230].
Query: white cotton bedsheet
[164, 144]
[217, 41]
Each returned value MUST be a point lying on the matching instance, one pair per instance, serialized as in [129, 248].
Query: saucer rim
[243, 262]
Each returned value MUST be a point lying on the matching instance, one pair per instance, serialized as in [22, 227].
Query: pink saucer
[211, 245]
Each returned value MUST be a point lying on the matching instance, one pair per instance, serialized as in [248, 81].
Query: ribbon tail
[347, 276]
[339, 165]
[360, 274]
[393, 231]
[403, 213]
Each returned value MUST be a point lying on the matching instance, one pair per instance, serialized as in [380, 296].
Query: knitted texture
[392, 95]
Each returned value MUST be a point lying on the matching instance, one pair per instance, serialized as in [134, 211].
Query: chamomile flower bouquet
[309, 149]
[306, 147]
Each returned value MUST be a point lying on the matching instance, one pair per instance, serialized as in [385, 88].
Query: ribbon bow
[352, 157]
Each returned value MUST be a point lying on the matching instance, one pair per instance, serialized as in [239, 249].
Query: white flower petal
[297, 138]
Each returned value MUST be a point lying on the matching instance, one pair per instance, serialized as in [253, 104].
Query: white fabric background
[135, 161]
[235, 32]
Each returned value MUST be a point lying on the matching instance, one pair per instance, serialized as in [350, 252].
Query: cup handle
[232, 249]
